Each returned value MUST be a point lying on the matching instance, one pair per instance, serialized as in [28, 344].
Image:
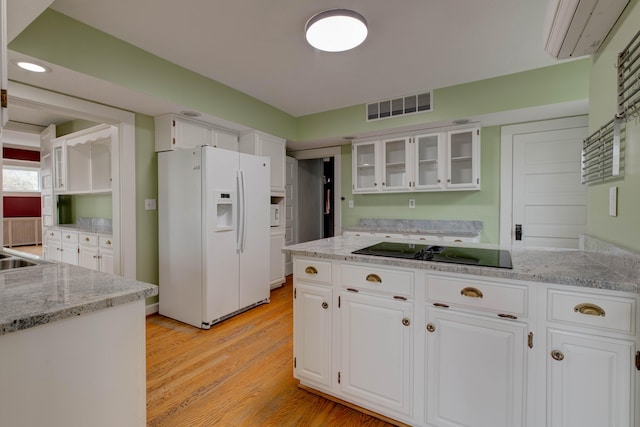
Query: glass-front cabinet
[365, 167]
[463, 159]
[441, 161]
[396, 172]
[429, 161]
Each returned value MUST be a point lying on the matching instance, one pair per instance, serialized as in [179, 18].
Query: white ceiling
[258, 47]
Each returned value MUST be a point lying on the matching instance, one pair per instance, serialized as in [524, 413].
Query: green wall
[622, 230]
[483, 205]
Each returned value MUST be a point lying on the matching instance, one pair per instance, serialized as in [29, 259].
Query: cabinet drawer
[311, 269]
[53, 235]
[88, 239]
[507, 299]
[592, 310]
[69, 236]
[394, 282]
[105, 242]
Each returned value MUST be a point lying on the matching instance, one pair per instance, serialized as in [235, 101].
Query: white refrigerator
[213, 220]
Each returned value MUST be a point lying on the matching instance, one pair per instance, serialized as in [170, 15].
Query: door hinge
[294, 362]
[530, 340]
[295, 293]
[338, 377]
[478, 132]
[338, 301]
[4, 98]
[638, 360]
[173, 123]
[518, 231]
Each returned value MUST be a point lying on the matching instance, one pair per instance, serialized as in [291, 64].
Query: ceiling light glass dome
[336, 30]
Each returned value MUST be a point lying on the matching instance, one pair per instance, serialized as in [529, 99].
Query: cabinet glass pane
[427, 160]
[461, 171]
[395, 163]
[461, 149]
[461, 145]
[365, 163]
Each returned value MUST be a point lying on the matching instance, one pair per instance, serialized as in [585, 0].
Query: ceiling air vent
[395, 107]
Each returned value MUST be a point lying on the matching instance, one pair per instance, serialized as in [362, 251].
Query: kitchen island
[72, 346]
[437, 344]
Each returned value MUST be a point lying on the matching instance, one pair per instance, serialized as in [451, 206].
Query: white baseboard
[152, 308]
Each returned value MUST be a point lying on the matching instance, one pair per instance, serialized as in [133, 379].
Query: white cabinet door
[590, 381]
[225, 140]
[475, 370]
[106, 261]
[396, 164]
[53, 251]
[429, 162]
[312, 333]
[262, 144]
[276, 268]
[189, 135]
[376, 350]
[88, 257]
[463, 159]
[365, 167]
[70, 253]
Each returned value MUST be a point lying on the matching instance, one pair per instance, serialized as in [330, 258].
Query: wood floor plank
[238, 373]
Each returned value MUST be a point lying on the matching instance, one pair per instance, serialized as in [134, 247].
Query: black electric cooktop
[452, 254]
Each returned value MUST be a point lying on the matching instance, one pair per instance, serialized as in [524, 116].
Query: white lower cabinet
[475, 370]
[590, 381]
[376, 350]
[312, 332]
[475, 351]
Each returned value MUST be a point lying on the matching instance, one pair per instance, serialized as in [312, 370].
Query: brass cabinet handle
[108, 242]
[86, 239]
[406, 321]
[311, 270]
[431, 327]
[374, 278]
[589, 309]
[387, 237]
[325, 305]
[471, 292]
[458, 241]
[557, 355]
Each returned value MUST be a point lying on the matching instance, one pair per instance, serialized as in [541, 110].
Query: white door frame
[123, 195]
[321, 153]
[507, 135]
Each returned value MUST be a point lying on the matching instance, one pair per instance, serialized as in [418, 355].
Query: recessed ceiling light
[336, 30]
[190, 113]
[33, 67]
[461, 121]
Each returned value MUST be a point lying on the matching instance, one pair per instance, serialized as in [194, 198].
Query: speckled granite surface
[92, 225]
[565, 267]
[419, 226]
[49, 292]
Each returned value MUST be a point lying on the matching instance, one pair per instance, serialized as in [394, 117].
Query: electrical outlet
[351, 203]
[150, 204]
[412, 203]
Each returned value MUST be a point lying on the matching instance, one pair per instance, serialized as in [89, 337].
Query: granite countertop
[416, 226]
[84, 228]
[565, 267]
[48, 292]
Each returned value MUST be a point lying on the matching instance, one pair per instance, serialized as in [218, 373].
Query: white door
[291, 211]
[543, 203]
[590, 381]
[475, 369]
[376, 338]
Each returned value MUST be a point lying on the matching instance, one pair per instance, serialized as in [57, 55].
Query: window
[20, 179]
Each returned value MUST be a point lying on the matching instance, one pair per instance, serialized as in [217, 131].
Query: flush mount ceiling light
[336, 30]
[33, 67]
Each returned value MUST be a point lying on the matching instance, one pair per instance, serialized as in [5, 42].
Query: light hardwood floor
[239, 373]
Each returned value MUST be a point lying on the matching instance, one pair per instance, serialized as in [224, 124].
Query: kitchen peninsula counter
[565, 267]
[72, 345]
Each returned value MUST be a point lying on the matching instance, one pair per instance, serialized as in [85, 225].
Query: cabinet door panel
[475, 371]
[365, 167]
[591, 385]
[376, 353]
[312, 334]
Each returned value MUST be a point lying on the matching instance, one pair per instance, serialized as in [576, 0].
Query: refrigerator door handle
[243, 213]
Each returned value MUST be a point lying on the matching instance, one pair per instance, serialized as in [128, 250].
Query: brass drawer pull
[471, 292]
[86, 239]
[374, 278]
[311, 270]
[406, 321]
[431, 327]
[557, 355]
[507, 316]
[589, 309]
[325, 305]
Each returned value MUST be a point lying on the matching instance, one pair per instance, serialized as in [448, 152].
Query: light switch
[613, 201]
[149, 204]
[351, 203]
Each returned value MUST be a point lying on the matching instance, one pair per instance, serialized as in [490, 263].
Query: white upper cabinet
[463, 159]
[365, 167]
[444, 161]
[262, 144]
[175, 132]
[395, 164]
